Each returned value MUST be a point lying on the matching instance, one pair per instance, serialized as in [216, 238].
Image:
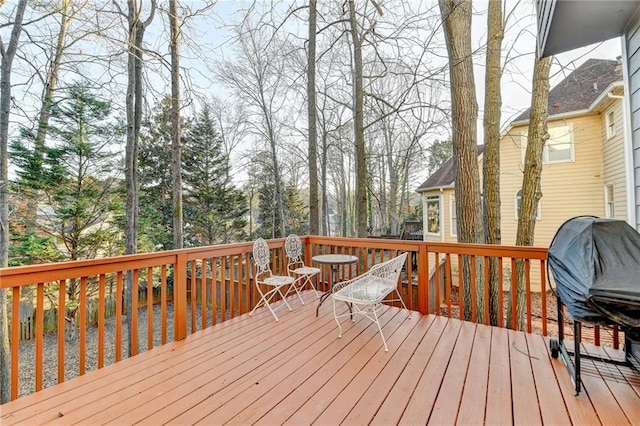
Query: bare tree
[176, 150]
[531, 194]
[257, 76]
[135, 37]
[491, 166]
[314, 225]
[456, 18]
[358, 125]
[7, 54]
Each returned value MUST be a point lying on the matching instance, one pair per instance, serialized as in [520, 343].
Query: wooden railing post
[180, 296]
[423, 280]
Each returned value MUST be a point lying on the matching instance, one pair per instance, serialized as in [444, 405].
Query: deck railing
[199, 287]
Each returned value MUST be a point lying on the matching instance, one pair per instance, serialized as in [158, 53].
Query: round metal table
[335, 261]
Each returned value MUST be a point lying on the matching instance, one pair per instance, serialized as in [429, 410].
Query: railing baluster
[514, 295]
[149, 308]
[487, 295]
[62, 303]
[102, 284]
[500, 292]
[163, 303]
[192, 299]
[15, 340]
[214, 290]
[437, 285]
[223, 288]
[474, 290]
[203, 293]
[133, 350]
[232, 285]
[83, 326]
[39, 335]
[460, 289]
[119, 288]
[527, 281]
[543, 296]
[448, 284]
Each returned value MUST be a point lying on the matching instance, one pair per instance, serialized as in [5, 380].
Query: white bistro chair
[264, 277]
[296, 266]
[367, 291]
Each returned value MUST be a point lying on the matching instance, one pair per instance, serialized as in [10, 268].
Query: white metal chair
[264, 277]
[367, 291]
[296, 266]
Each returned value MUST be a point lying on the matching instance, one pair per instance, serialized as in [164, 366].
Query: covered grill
[596, 266]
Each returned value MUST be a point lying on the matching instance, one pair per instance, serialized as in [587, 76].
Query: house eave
[434, 188]
[567, 25]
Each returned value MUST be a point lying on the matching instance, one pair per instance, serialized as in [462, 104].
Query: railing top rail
[25, 275]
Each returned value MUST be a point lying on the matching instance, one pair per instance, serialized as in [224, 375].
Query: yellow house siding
[614, 161]
[568, 189]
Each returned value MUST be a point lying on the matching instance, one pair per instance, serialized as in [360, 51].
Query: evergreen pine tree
[214, 208]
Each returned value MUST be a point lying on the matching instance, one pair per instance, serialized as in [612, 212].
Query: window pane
[433, 215]
[559, 145]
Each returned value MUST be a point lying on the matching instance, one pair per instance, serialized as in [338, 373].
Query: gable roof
[580, 88]
[445, 176]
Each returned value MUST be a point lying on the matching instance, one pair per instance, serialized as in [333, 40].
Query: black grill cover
[596, 266]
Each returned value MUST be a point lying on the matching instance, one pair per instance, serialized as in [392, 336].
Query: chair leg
[284, 297]
[402, 301]
[297, 288]
[335, 316]
[265, 298]
[312, 286]
[377, 321]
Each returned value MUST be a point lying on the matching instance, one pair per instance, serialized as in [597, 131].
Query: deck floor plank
[449, 398]
[268, 378]
[552, 408]
[474, 397]
[195, 371]
[389, 378]
[392, 407]
[253, 369]
[526, 409]
[347, 399]
[426, 392]
[319, 389]
[498, 411]
[244, 369]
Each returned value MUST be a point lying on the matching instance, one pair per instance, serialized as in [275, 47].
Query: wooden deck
[296, 371]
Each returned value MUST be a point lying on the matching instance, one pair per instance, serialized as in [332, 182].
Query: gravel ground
[50, 350]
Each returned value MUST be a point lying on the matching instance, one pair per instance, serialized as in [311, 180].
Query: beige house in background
[583, 166]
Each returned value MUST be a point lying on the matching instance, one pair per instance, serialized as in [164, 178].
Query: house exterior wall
[614, 158]
[569, 189]
[632, 52]
[446, 235]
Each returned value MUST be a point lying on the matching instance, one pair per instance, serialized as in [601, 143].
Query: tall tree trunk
[50, 84]
[491, 168]
[314, 224]
[358, 126]
[134, 119]
[456, 17]
[176, 149]
[531, 194]
[326, 226]
[7, 54]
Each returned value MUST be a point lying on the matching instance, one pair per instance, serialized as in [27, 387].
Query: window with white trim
[519, 204]
[453, 222]
[610, 123]
[559, 146]
[609, 207]
[433, 214]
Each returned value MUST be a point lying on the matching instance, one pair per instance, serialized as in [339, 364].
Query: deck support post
[423, 280]
[180, 297]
